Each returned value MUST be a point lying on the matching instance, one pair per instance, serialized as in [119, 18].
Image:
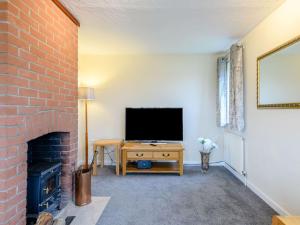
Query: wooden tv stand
[164, 153]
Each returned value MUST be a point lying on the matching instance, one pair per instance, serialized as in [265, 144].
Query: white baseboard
[197, 163]
[274, 205]
[236, 174]
[268, 200]
[191, 163]
[221, 163]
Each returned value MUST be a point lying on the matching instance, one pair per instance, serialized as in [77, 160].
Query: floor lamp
[83, 175]
[86, 94]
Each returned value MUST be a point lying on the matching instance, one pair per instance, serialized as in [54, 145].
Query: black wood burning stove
[43, 188]
[44, 175]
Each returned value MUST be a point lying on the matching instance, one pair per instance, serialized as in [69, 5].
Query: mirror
[278, 77]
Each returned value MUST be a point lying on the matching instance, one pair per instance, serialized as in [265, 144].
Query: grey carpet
[216, 198]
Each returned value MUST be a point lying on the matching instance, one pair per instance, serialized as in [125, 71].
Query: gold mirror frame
[293, 105]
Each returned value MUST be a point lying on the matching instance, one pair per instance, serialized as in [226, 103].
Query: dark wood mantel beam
[66, 12]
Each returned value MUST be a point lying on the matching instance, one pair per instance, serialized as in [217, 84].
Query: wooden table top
[108, 142]
[288, 220]
[146, 146]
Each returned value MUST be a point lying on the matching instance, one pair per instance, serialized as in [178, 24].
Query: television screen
[154, 124]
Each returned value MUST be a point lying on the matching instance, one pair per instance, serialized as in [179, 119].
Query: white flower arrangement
[207, 145]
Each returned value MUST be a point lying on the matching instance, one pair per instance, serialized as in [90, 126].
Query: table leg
[117, 158]
[120, 158]
[124, 162]
[102, 156]
[95, 161]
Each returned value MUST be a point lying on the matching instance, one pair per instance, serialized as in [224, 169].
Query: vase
[205, 161]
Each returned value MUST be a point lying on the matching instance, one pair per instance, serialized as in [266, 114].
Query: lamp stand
[84, 174]
[86, 137]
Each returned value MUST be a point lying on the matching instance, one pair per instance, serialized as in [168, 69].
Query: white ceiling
[165, 26]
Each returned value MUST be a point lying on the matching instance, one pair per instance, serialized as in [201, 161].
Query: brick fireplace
[38, 94]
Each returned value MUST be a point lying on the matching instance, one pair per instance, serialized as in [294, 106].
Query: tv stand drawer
[166, 155]
[139, 155]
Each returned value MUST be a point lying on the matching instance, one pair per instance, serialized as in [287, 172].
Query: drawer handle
[166, 155]
[139, 155]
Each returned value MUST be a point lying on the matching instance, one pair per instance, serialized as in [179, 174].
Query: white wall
[187, 81]
[272, 136]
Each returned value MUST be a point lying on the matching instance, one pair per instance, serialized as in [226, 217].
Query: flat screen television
[154, 124]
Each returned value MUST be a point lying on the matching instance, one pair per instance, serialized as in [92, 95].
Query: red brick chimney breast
[38, 93]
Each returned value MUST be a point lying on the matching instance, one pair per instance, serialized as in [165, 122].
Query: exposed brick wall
[38, 93]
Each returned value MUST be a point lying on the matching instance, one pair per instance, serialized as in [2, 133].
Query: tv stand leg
[124, 162]
[180, 163]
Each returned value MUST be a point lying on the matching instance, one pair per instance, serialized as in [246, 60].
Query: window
[230, 111]
[223, 90]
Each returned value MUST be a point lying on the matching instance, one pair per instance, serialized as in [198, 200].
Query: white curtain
[236, 89]
[222, 92]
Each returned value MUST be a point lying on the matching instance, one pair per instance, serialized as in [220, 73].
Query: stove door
[50, 183]
[52, 203]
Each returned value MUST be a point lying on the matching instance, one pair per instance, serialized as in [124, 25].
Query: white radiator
[234, 153]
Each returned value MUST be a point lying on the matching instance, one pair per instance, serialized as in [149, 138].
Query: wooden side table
[286, 220]
[99, 146]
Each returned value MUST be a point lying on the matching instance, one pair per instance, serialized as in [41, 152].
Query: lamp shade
[86, 93]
